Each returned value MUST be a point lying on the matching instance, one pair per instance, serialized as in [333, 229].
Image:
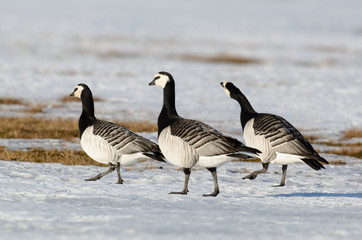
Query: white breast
[129, 159]
[268, 154]
[284, 158]
[97, 148]
[214, 161]
[177, 151]
[256, 141]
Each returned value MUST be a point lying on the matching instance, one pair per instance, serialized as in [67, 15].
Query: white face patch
[78, 91]
[161, 80]
[225, 89]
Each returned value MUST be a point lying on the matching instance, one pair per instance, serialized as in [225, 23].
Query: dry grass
[337, 162]
[10, 101]
[238, 171]
[247, 160]
[341, 147]
[221, 58]
[59, 128]
[66, 99]
[35, 108]
[311, 138]
[139, 126]
[352, 133]
[66, 157]
[352, 151]
[113, 53]
[40, 128]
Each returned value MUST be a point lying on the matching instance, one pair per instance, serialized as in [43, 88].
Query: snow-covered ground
[42, 201]
[309, 71]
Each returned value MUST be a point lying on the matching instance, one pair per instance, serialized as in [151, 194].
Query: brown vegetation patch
[221, 58]
[247, 160]
[139, 126]
[352, 133]
[74, 99]
[352, 151]
[238, 171]
[35, 108]
[10, 101]
[311, 138]
[69, 99]
[59, 128]
[31, 127]
[338, 162]
[113, 53]
[67, 157]
[106, 53]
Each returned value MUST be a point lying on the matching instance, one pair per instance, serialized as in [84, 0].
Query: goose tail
[315, 163]
[155, 156]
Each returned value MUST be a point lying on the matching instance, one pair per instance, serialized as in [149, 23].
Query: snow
[42, 200]
[309, 72]
[17, 144]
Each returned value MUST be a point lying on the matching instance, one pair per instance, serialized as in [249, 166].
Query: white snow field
[306, 59]
[43, 201]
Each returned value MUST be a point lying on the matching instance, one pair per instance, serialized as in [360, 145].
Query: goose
[278, 140]
[186, 142]
[110, 143]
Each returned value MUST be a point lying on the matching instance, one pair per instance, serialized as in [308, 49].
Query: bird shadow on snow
[320, 194]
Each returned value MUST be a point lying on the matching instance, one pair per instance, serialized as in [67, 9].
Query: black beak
[153, 81]
[222, 84]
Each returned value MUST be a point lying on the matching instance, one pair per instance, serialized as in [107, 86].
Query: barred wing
[206, 140]
[122, 139]
[281, 136]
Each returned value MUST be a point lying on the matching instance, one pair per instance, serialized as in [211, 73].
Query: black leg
[99, 176]
[187, 176]
[120, 180]
[254, 174]
[216, 185]
[282, 182]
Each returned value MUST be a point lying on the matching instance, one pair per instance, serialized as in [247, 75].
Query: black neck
[87, 117]
[168, 113]
[247, 111]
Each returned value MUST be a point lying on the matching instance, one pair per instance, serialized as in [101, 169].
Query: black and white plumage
[274, 136]
[110, 143]
[186, 142]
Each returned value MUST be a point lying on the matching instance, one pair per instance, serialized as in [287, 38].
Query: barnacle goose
[275, 137]
[110, 143]
[186, 142]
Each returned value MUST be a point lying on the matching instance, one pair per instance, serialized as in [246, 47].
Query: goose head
[162, 79]
[230, 89]
[78, 90]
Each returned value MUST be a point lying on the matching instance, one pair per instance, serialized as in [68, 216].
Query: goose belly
[176, 150]
[213, 161]
[97, 148]
[284, 158]
[256, 141]
[129, 159]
